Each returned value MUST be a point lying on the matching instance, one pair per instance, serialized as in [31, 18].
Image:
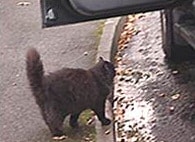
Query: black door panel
[61, 12]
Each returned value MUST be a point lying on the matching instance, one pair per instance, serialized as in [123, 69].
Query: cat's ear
[101, 59]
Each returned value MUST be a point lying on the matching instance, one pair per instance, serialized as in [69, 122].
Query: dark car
[177, 18]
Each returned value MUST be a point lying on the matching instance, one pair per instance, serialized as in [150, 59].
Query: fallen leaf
[60, 137]
[119, 90]
[162, 95]
[134, 139]
[171, 109]
[107, 132]
[175, 97]
[122, 79]
[153, 120]
[85, 53]
[175, 72]
[87, 139]
[14, 84]
[23, 3]
[121, 99]
[90, 121]
[127, 106]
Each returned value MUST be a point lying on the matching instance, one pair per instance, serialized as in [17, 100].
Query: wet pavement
[154, 100]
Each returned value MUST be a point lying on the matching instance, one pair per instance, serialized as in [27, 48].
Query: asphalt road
[64, 46]
[156, 98]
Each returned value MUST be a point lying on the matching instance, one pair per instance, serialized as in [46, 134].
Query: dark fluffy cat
[69, 91]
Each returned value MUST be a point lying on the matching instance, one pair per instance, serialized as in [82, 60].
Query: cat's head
[105, 70]
[107, 67]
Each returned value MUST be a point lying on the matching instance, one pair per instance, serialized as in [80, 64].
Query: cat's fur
[69, 91]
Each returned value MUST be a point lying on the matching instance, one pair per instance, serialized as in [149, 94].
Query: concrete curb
[107, 49]
[108, 42]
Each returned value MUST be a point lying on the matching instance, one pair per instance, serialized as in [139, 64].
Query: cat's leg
[55, 120]
[100, 112]
[74, 120]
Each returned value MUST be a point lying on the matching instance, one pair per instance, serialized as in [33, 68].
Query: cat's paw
[106, 121]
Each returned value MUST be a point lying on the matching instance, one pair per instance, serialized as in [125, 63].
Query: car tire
[173, 45]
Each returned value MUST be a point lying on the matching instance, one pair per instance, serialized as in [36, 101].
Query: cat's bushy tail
[34, 68]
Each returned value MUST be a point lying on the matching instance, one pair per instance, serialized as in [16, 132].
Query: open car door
[61, 12]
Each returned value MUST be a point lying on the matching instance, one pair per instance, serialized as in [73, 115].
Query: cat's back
[71, 73]
[70, 76]
[71, 86]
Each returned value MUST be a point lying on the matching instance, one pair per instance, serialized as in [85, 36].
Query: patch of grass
[85, 133]
[99, 31]
[85, 116]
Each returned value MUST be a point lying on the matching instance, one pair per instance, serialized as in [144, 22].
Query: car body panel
[62, 12]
